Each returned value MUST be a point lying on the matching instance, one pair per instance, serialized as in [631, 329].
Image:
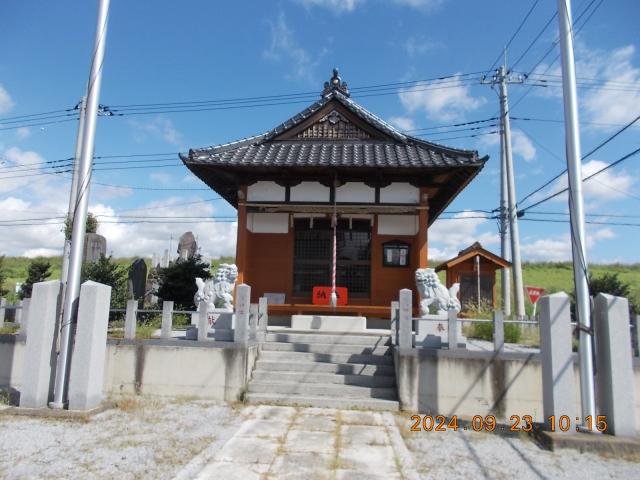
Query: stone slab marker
[498, 330]
[24, 316]
[40, 353]
[405, 319]
[203, 321]
[86, 378]
[614, 367]
[558, 381]
[3, 302]
[393, 324]
[17, 315]
[638, 335]
[242, 300]
[263, 319]
[452, 334]
[167, 320]
[130, 320]
[253, 321]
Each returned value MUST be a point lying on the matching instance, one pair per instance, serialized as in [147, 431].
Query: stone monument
[94, 246]
[138, 278]
[187, 246]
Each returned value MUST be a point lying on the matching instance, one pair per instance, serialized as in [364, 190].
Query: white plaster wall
[397, 224]
[400, 193]
[265, 192]
[310, 192]
[268, 222]
[355, 192]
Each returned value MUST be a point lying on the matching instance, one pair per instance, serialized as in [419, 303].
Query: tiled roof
[332, 154]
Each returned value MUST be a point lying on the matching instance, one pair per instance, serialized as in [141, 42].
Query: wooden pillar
[241, 239]
[423, 222]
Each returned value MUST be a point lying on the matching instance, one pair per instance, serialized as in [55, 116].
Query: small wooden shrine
[475, 270]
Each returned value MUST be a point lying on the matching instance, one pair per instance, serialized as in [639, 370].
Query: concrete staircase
[325, 370]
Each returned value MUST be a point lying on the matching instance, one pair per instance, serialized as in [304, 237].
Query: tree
[3, 277]
[107, 272]
[178, 281]
[608, 283]
[91, 227]
[39, 271]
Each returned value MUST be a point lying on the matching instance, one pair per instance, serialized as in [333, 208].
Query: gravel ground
[142, 438]
[465, 454]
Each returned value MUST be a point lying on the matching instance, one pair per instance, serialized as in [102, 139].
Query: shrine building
[333, 158]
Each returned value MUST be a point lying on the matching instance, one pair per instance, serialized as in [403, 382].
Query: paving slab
[272, 412]
[233, 471]
[369, 460]
[248, 450]
[364, 435]
[321, 423]
[361, 418]
[307, 465]
[308, 441]
[260, 428]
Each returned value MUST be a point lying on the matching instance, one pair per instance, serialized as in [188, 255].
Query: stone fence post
[263, 319]
[203, 321]
[24, 321]
[393, 324]
[452, 318]
[614, 364]
[86, 377]
[243, 302]
[130, 320]
[3, 302]
[558, 380]
[498, 330]
[167, 320]
[638, 335]
[17, 313]
[40, 354]
[405, 322]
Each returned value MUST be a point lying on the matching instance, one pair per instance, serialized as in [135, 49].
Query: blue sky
[167, 51]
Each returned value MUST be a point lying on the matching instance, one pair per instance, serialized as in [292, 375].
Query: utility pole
[73, 195]
[502, 78]
[72, 293]
[505, 279]
[576, 210]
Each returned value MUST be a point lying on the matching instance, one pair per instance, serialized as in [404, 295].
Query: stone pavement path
[308, 443]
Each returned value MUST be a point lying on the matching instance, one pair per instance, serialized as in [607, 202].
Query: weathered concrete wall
[153, 367]
[477, 383]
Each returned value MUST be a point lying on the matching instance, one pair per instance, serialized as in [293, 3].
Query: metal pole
[478, 278]
[73, 195]
[70, 306]
[511, 188]
[576, 209]
[505, 279]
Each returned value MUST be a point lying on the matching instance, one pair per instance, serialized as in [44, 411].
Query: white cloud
[105, 192]
[558, 248]
[6, 103]
[336, 6]
[421, 4]
[284, 47]
[448, 237]
[416, 46]
[23, 132]
[28, 163]
[606, 186]
[447, 102]
[403, 123]
[158, 127]
[522, 146]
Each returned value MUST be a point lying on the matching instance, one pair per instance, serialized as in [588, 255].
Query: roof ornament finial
[335, 83]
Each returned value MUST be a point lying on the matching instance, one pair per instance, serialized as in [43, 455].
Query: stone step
[323, 390]
[371, 381]
[324, 367]
[322, 402]
[325, 357]
[349, 339]
[326, 348]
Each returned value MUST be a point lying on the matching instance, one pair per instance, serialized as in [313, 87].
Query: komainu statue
[432, 292]
[217, 292]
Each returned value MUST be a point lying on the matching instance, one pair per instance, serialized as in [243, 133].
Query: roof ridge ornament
[335, 83]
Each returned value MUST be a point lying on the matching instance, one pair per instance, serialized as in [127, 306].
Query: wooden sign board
[322, 295]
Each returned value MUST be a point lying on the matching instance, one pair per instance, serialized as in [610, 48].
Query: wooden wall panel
[270, 264]
[387, 281]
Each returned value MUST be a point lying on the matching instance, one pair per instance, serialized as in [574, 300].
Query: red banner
[534, 293]
[322, 295]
